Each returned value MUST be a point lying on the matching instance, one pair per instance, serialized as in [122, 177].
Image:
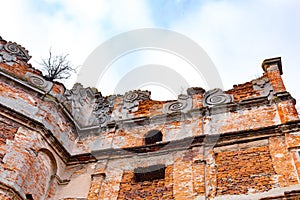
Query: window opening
[151, 173]
[153, 137]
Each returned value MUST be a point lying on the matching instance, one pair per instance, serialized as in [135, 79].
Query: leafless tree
[57, 67]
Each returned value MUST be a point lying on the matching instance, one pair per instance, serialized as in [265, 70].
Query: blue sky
[166, 12]
[237, 35]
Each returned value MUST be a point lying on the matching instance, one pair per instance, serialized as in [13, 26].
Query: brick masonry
[56, 143]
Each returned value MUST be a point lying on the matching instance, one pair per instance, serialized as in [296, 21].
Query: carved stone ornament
[215, 97]
[177, 106]
[80, 102]
[17, 50]
[264, 87]
[102, 109]
[184, 103]
[7, 57]
[132, 98]
[38, 81]
[11, 51]
[195, 90]
[88, 107]
[136, 95]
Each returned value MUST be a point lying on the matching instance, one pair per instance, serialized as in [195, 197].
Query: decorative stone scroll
[132, 98]
[38, 81]
[11, 52]
[17, 50]
[183, 103]
[215, 97]
[177, 106]
[136, 95]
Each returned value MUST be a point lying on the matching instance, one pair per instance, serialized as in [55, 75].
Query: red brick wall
[155, 189]
[240, 172]
[248, 170]
[243, 91]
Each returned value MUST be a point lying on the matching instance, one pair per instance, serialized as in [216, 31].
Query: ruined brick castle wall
[56, 143]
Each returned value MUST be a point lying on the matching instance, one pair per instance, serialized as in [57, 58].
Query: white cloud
[239, 35]
[91, 10]
[169, 64]
[76, 27]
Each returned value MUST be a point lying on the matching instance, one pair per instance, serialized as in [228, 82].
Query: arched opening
[153, 137]
[40, 176]
[49, 168]
[52, 164]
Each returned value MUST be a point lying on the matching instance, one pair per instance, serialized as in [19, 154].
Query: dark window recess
[149, 173]
[153, 136]
[29, 197]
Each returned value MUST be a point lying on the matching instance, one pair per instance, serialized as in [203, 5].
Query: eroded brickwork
[56, 143]
[282, 162]
[39, 173]
[8, 131]
[198, 178]
[243, 91]
[131, 188]
[245, 171]
[95, 186]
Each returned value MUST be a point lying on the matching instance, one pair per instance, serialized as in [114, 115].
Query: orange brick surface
[58, 143]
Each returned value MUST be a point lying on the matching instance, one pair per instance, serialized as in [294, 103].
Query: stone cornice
[201, 112]
[211, 108]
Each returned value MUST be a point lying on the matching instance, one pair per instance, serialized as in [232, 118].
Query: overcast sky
[237, 35]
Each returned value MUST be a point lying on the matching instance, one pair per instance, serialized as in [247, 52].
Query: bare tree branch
[57, 67]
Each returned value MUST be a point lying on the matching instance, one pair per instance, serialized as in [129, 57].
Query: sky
[236, 35]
